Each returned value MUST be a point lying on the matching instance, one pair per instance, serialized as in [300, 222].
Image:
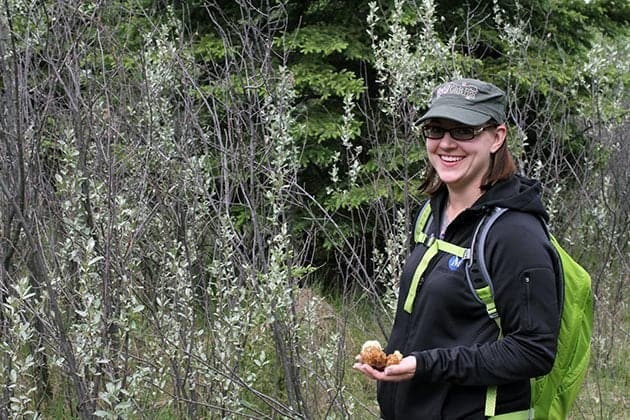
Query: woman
[452, 351]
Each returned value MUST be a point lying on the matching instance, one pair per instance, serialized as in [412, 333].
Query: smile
[451, 159]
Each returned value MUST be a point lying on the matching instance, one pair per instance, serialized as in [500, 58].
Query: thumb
[395, 370]
[406, 366]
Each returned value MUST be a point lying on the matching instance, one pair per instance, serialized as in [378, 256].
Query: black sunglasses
[458, 133]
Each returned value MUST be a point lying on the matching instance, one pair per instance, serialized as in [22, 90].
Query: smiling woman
[460, 156]
[478, 107]
[458, 363]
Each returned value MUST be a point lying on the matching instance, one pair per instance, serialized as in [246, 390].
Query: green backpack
[553, 393]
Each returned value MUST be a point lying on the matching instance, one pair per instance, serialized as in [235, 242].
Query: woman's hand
[403, 371]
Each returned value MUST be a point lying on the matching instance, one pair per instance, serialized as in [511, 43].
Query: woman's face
[462, 164]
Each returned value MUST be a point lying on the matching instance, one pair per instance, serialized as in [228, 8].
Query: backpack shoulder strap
[480, 282]
[433, 247]
[478, 248]
[477, 273]
[423, 221]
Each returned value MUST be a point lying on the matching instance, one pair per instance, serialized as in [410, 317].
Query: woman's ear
[500, 133]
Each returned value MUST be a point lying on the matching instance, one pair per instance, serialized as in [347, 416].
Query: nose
[447, 141]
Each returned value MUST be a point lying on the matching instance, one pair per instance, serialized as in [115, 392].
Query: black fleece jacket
[449, 331]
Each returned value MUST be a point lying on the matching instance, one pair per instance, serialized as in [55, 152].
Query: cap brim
[455, 113]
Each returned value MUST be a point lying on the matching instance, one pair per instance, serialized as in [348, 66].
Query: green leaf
[323, 125]
[327, 39]
[325, 80]
[209, 46]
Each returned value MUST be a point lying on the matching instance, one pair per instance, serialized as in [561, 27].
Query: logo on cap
[468, 92]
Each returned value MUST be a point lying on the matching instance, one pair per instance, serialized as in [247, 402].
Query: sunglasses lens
[433, 132]
[463, 133]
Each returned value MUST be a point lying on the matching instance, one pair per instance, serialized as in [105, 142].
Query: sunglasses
[457, 133]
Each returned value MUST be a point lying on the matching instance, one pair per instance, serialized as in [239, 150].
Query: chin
[450, 179]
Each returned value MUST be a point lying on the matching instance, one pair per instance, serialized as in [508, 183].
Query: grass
[352, 317]
[605, 394]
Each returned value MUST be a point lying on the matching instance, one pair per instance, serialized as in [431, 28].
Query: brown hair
[501, 167]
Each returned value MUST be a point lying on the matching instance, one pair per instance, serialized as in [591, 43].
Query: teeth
[452, 158]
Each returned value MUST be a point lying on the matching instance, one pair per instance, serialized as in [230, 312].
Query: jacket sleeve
[523, 267]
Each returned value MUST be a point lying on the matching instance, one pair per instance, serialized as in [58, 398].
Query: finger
[367, 370]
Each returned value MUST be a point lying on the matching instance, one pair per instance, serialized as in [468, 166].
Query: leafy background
[205, 205]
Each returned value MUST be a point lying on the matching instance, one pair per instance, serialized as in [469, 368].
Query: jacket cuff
[420, 363]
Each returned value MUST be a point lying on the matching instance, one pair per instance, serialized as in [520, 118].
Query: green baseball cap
[468, 101]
